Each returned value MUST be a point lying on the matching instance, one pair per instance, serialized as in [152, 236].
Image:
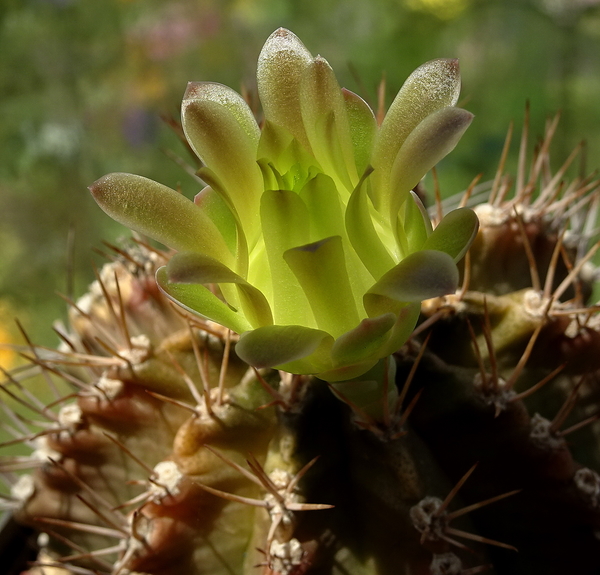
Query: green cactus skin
[160, 452]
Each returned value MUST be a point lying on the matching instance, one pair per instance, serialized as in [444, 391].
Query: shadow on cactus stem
[310, 384]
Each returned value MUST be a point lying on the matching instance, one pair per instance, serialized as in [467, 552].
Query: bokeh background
[85, 87]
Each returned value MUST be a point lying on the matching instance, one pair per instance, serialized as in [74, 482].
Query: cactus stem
[278, 398]
[83, 485]
[127, 451]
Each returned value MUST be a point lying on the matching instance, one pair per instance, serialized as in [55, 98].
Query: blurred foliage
[83, 86]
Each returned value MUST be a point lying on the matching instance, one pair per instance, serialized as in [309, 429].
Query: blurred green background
[83, 86]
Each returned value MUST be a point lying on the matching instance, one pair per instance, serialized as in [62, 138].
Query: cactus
[314, 378]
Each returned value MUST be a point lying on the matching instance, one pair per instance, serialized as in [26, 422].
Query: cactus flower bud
[307, 224]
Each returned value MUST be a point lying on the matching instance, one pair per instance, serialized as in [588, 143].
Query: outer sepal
[192, 268]
[160, 213]
[199, 300]
[430, 141]
[281, 345]
[421, 275]
[432, 86]
[454, 234]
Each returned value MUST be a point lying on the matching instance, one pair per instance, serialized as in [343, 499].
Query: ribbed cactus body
[471, 449]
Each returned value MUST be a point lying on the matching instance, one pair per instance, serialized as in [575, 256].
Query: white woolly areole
[285, 556]
[139, 350]
[42, 451]
[446, 564]
[588, 482]
[490, 215]
[43, 540]
[167, 477]
[280, 478]
[70, 416]
[109, 388]
[85, 302]
[23, 489]
[535, 304]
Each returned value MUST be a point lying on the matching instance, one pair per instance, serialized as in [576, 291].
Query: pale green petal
[363, 128]
[199, 300]
[416, 223]
[346, 372]
[434, 138]
[219, 131]
[364, 342]
[230, 100]
[281, 64]
[286, 224]
[432, 86]
[214, 205]
[160, 213]
[324, 207]
[278, 147]
[455, 233]
[422, 275]
[320, 268]
[192, 268]
[362, 234]
[326, 122]
[403, 328]
[278, 345]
